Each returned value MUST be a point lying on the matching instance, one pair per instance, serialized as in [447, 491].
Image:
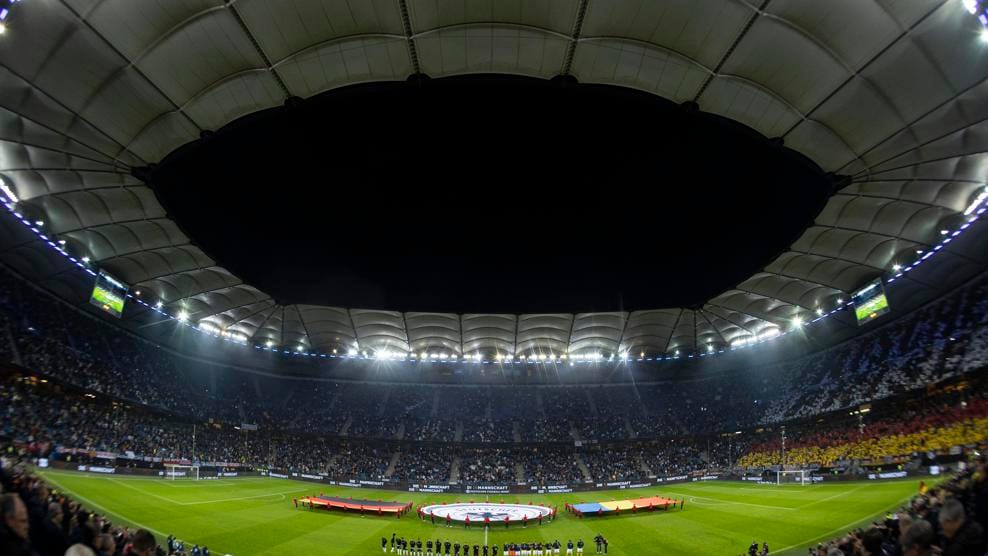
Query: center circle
[478, 512]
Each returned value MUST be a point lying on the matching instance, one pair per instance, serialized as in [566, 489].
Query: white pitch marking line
[838, 495]
[282, 494]
[733, 502]
[830, 534]
[144, 492]
[105, 510]
[178, 503]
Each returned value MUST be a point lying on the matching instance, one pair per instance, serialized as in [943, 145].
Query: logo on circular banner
[478, 512]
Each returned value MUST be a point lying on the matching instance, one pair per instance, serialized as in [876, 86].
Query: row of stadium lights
[979, 9]
[5, 7]
[971, 214]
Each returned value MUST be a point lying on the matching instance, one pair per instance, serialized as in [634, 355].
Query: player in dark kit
[384, 544]
[456, 549]
[428, 547]
[448, 545]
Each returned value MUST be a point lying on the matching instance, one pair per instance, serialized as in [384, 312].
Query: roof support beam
[234, 307]
[672, 332]
[263, 322]
[257, 47]
[730, 50]
[406, 25]
[581, 13]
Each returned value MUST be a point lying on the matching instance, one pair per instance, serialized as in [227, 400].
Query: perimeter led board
[109, 294]
[870, 302]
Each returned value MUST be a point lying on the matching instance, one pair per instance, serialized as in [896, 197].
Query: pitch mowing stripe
[269, 526]
[160, 480]
[178, 503]
[723, 501]
[282, 494]
[849, 526]
[833, 496]
[106, 511]
[142, 491]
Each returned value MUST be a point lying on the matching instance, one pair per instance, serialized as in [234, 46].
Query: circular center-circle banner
[478, 512]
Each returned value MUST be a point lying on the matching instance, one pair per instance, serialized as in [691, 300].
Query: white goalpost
[791, 477]
[175, 471]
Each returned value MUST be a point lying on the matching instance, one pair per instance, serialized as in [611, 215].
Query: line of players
[403, 547]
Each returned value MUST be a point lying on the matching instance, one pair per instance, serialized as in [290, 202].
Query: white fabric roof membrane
[890, 92]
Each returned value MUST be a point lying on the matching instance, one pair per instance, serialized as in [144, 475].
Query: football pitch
[244, 516]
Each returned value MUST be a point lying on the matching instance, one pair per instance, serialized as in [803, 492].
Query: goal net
[793, 477]
[175, 471]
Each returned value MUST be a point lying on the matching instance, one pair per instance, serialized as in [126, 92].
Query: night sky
[490, 194]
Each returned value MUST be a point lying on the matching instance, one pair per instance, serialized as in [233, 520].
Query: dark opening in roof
[490, 194]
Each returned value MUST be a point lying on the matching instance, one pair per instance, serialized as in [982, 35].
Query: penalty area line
[282, 494]
[722, 501]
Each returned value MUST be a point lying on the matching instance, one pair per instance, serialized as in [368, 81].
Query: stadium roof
[891, 93]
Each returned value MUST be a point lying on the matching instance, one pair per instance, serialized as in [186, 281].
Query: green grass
[243, 516]
[872, 308]
[109, 299]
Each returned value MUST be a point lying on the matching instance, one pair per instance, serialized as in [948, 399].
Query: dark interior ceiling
[490, 194]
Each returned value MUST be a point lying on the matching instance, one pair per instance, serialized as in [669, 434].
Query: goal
[175, 471]
[793, 477]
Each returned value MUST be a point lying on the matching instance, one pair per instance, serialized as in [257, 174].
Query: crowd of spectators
[546, 429]
[935, 342]
[487, 466]
[604, 427]
[674, 457]
[423, 464]
[479, 429]
[931, 425]
[550, 465]
[35, 521]
[361, 461]
[614, 464]
[434, 430]
[155, 400]
[949, 519]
